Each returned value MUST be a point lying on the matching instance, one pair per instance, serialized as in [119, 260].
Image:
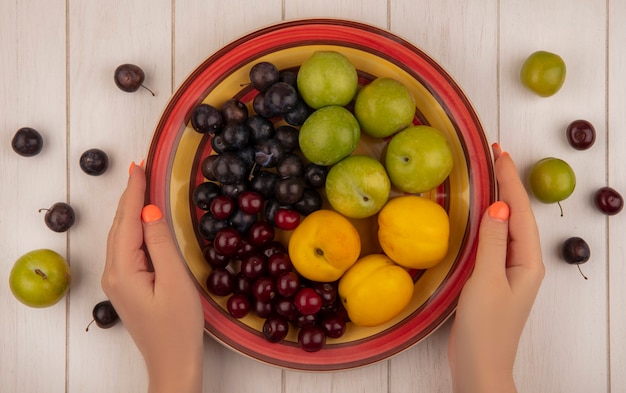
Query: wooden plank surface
[57, 68]
[32, 94]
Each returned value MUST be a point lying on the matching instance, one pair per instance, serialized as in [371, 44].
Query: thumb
[160, 244]
[492, 242]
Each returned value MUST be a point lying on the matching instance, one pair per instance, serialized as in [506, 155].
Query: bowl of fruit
[324, 180]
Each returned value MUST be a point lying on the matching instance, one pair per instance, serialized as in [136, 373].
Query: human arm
[158, 304]
[497, 299]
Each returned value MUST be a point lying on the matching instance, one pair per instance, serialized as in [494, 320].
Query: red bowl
[177, 151]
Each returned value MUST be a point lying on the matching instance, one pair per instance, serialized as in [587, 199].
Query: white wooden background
[56, 63]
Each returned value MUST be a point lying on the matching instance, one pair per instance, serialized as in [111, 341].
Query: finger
[492, 244]
[524, 244]
[161, 246]
[523, 227]
[126, 234]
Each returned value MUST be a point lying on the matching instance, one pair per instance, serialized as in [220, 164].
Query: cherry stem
[581, 272]
[560, 207]
[251, 175]
[42, 209]
[42, 274]
[149, 90]
[87, 328]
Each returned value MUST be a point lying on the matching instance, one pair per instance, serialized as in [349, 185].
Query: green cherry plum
[543, 73]
[552, 180]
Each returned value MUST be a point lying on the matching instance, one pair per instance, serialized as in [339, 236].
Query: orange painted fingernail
[133, 165]
[497, 150]
[499, 210]
[151, 213]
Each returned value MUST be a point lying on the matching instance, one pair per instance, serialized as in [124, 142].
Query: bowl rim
[458, 274]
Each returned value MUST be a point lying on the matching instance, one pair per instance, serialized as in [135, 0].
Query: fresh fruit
[280, 98]
[129, 78]
[324, 246]
[608, 201]
[414, 231]
[204, 194]
[315, 175]
[375, 289]
[581, 134]
[220, 282]
[40, 278]
[308, 301]
[333, 325]
[238, 305]
[268, 152]
[311, 201]
[104, 315]
[543, 73]
[575, 251]
[59, 217]
[275, 329]
[327, 78]
[94, 162]
[384, 107]
[206, 119]
[263, 75]
[328, 135]
[552, 180]
[357, 186]
[311, 338]
[418, 159]
[287, 219]
[250, 202]
[289, 190]
[27, 142]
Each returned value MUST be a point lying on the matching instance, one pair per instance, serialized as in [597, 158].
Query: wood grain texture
[103, 36]
[57, 68]
[532, 128]
[616, 178]
[32, 94]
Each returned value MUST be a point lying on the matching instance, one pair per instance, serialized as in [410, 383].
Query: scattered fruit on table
[324, 246]
[608, 201]
[129, 78]
[581, 134]
[328, 135]
[104, 315]
[357, 186]
[27, 142]
[375, 289]
[414, 231]
[94, 162]
[327, 78]
[418, 159]
[40, 278]
[384, 107]
[543, 73]
[575, 251]
[552, 180]
[59, 217]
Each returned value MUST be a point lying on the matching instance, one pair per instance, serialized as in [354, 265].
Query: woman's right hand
[497, 299]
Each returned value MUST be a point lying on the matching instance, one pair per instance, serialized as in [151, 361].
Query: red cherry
[287, 219]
